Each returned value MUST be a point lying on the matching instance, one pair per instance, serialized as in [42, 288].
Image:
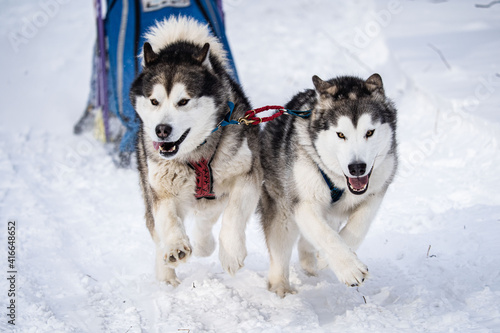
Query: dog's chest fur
[172, 178]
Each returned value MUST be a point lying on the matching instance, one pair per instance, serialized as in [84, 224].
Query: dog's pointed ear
[203, 56]
[149, 55]
[323, 87]
[374, 84]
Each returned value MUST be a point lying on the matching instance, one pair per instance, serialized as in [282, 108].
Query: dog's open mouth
[358, 185]
[169, 149]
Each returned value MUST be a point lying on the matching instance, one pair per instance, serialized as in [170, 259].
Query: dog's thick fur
[181, 96]
[350, 137]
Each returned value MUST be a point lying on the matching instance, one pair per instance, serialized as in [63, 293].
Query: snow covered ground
[84, 256]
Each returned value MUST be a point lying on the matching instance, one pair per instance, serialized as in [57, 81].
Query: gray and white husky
[325, 176]
[186, 169]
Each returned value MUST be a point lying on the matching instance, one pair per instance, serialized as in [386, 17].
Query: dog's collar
[335, 192]
[224, 122]
[227, 118]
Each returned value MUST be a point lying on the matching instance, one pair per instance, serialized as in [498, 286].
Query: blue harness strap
[335, 192]
[301, 114]
[227, 118]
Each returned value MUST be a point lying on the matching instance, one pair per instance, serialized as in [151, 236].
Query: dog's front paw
[174, 282]
[232, 254]
[176, 253]
[165, 273]
[351, 270]
[281, 288]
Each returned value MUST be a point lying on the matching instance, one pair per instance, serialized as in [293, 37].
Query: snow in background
[85, 257]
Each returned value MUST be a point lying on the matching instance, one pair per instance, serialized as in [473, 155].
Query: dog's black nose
[357, 169]
[163, 131]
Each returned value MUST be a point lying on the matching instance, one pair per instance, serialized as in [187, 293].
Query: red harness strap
[250, 116]
[204, 179]
[202, 168]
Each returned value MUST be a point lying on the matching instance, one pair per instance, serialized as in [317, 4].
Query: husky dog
[186, 169]
[326, 175]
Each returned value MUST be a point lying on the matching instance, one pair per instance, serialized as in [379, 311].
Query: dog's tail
[182, 28]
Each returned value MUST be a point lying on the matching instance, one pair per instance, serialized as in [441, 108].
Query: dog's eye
[369, 133]
[154, 101]
[183, 102]
[341, 135]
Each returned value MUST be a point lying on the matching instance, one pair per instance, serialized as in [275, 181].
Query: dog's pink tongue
[358, 183]
[156, 145]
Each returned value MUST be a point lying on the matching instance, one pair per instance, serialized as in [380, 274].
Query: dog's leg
[242, 203]
[307, 256]
[344, 262]
[164, 272]
[280, 238]
[359, 222]
[204, 242]
[173, 245]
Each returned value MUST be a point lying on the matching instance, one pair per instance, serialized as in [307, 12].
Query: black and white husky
[325, 176]
[186, 170]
